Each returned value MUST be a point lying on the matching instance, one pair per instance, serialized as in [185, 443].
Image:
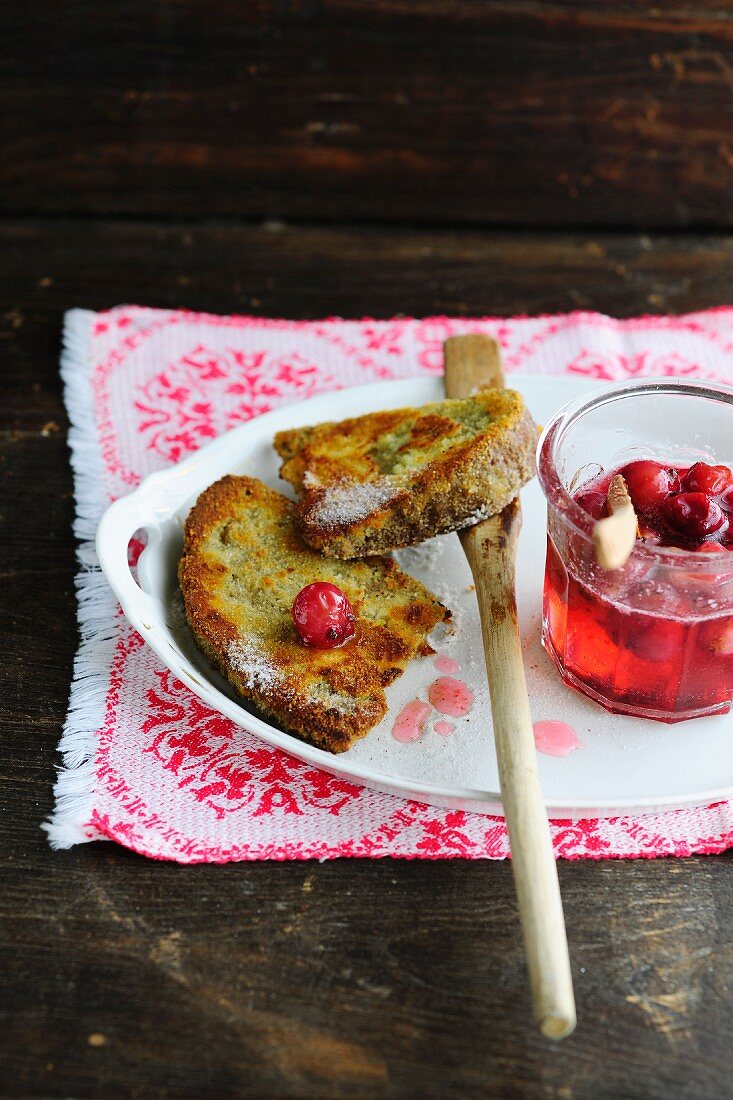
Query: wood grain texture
[347, 979]
[524, 113]
[472, 362]
[275, 269]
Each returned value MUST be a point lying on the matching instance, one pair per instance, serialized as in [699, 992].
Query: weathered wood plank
[355, 979]
[495, 113]
[277, 269]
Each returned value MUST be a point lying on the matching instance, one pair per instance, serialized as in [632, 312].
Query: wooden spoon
[615, 536]
[471, 363]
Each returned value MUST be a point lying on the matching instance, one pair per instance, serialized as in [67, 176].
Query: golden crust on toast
[394, 478]
[242, 566]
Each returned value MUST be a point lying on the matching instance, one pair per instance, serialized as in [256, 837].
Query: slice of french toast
[394, 478]
[244, 563]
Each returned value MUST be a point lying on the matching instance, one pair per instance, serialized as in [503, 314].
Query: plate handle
[116, 527]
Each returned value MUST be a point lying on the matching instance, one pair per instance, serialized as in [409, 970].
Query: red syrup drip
[450, 696]
[555, 738]
[446, 664]
[409, 724]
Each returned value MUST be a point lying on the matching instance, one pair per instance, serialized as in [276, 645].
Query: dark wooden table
[304, 158]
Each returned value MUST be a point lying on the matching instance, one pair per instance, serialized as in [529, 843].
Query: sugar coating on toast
[242, 566]
[394, 478]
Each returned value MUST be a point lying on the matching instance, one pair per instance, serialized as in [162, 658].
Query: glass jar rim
[559, 497]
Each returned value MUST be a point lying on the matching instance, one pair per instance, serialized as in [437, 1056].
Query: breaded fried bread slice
[244, 563]
[391, 479]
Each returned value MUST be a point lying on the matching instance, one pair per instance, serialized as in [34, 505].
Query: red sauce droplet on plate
[410, 722]
[446, 664]
[451, 696]
[555, 738]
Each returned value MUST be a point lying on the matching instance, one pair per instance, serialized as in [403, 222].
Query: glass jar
[653, 639]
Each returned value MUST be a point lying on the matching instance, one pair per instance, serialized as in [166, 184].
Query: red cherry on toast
[322, 615]
[694, 515]
[702, 478]
[649, 483]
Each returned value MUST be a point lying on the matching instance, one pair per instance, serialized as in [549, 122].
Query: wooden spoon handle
[491, 551]
[471, 363]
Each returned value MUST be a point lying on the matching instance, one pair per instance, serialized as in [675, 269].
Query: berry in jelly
[654, 638]
[680, 506]
[694, 515]
[702, 478]
[649, 484]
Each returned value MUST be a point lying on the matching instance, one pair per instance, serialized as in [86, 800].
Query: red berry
[652, 639]
[709, 548]
[717, 635]
[702, 478]
[649, 483]
[694, 515]
[726, 499]
[593, 502]
[322, 615]
[653, 632]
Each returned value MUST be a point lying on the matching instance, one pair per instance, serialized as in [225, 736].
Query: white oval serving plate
[624, 766]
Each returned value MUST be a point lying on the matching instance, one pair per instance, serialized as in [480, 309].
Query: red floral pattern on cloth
[645, 364]
[207, 391]
[176, 780]
[199, 747]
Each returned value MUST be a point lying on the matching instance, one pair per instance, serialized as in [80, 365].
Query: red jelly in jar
[653, 639]
[630, 638]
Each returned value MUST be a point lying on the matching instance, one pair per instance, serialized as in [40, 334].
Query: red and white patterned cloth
[145, 762]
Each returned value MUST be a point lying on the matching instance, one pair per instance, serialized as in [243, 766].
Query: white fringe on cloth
[97, 605]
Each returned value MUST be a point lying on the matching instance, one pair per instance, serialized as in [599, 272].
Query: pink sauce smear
[450, 696]
[410, 722]
[444, 728]
[555, 738]
[446, 664]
